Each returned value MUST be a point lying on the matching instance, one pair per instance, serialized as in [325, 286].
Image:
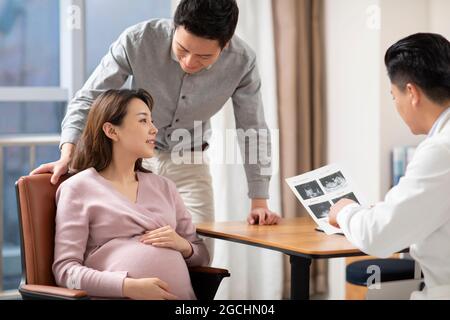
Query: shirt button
[183, 97]
[178, 120]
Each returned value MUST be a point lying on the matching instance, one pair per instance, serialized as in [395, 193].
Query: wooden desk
[295, 237]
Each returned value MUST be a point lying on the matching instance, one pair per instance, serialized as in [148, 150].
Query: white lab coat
[415, 214]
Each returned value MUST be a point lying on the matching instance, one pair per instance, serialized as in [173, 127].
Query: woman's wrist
[188, 251]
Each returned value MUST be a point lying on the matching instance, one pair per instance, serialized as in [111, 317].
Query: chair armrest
[210, 270]
[206, 280]
[32, 291]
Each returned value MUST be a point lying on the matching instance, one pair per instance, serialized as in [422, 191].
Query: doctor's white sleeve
[414, 209]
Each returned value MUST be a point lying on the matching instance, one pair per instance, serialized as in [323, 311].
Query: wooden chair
[37, 210]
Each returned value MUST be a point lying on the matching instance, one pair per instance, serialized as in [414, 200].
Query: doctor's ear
[110, 131]
[414, 94]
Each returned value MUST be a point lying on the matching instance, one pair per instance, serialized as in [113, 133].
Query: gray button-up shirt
[182, 101]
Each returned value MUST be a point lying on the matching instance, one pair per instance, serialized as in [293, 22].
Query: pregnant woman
[121, 231]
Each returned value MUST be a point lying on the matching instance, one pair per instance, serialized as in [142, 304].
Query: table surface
[292, 236]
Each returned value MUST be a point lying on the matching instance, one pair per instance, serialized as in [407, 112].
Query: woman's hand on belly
[166, 237]
[147, 289]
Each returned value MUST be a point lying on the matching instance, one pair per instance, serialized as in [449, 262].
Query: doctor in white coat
[415, 213]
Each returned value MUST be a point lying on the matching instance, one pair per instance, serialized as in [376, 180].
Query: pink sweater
[98, 229]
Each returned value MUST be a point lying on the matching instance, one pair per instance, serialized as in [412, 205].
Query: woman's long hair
[94, 148]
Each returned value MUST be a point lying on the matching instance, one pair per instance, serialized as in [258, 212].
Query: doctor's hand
[147, 289]
[166, 237]
[334, 211]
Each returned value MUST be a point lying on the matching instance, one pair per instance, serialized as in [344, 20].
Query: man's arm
[112, 72]
[254, 139]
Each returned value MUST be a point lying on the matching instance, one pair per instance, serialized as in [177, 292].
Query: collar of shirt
[437, 123]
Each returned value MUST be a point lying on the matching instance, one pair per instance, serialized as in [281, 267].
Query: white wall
[399, 19]
[352, 100]
[363, 125]
[352, 90]
[439, 17]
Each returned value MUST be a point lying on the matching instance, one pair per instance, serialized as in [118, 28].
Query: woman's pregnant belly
[144, 261]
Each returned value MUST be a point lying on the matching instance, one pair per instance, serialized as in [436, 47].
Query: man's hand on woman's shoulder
[58, 168]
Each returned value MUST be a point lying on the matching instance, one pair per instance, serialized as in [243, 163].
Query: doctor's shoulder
[432, 157]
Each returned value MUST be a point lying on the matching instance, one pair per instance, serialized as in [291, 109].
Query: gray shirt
[182, 101]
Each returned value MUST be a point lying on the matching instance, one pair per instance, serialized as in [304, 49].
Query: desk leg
[300, 268]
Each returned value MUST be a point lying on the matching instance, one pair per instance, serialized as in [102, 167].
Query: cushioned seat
[391, 270]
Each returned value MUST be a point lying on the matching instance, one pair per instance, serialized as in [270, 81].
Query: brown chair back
[37, 210]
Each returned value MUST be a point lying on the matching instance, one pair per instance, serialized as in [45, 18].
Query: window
[37, 75]
[29, 43]
[101, 31]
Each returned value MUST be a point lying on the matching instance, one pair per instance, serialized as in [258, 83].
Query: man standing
[191, 66]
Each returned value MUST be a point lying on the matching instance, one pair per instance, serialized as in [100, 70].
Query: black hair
[209, 19]
[422, 59]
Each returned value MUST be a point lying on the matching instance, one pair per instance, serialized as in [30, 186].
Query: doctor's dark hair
[94, 150]
[424, 60]
[209, 19]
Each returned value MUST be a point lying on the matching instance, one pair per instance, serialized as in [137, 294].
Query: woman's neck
[120, 170]
[115, 174]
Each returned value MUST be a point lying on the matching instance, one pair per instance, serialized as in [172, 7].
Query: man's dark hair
[209, 19]
[424, 60]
